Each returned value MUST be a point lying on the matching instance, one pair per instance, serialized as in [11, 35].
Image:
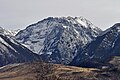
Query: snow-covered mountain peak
[81, 21]
[58, 37]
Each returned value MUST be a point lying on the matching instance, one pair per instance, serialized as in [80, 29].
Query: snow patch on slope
[4, 42]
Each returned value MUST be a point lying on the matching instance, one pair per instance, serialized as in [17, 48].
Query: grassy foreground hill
[47, 71]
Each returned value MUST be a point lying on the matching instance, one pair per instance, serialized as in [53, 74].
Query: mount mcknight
[57, 40]
[64, 40]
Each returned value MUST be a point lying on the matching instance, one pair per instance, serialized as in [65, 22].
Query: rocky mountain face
[100, 50]
[57, 40]
[13, 52]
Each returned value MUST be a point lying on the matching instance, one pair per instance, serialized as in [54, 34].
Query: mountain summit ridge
[57, 39]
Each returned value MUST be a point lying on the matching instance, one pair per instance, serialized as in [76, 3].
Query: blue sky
[18, 14]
